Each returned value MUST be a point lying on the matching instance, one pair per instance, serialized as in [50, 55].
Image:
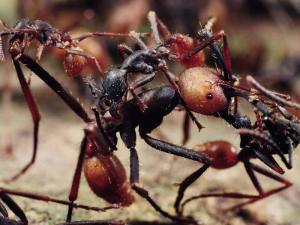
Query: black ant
[104, 172]
[15, 208]
[21, 36]
[147, 62]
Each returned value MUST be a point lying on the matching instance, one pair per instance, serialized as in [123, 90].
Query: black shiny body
[115, 82]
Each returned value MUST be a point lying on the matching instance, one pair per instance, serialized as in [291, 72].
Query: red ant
[15, 208]
[224, 156]
[207, 91]
[21, 36]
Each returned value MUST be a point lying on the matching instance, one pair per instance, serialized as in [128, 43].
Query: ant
[26, 31]
[224, 156]
[188, 52]
[208, 91]
[104, 172]
[15, 208]
[21, 36]
[147, 62]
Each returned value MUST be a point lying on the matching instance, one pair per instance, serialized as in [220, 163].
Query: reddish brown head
[223, 154]
[181, 45]
[200, 89]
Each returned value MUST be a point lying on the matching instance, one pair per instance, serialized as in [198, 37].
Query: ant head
[223, 154]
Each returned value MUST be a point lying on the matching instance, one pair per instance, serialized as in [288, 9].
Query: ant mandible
[224, 156]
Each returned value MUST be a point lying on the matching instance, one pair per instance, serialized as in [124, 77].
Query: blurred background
[264, 40]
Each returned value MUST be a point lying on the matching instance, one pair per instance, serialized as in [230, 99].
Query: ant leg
[134, 180]
[171, 79]
[164, 30]
[38, 57]
[96, 222]
[128, 136]
[186, 128]
[87, 56]
[137, 37]
[53, 200]
[35, 117]
[253, 198]
[77, 175]
[250, 167]
[154, 27]
[271, 95]
[14, 207]
[185, 184]
[138, 83]
[98, 120]
[175, 149]
[266, 139]
[55, 86]
[100, 34]
[124, 50]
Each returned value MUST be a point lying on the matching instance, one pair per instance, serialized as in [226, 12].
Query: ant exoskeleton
[224, 156]
[21, 36]
[26, 31]
[207, 91]
[147, 62]
[188, 52]
[104, 172]
[15, 208]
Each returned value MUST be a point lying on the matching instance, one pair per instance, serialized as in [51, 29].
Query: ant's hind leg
[35, 117]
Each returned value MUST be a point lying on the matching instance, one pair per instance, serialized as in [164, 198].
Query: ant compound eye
[200, 90]
[209, 96]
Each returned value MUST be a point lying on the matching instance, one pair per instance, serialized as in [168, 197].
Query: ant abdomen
[223, 154]
[201, 90]
[106, 176]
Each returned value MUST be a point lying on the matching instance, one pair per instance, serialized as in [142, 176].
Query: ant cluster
[212, 91]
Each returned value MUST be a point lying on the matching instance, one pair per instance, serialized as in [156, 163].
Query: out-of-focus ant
[25, 32]
[15, 208]
[224, 156]
[19, 38]
[104, 172]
